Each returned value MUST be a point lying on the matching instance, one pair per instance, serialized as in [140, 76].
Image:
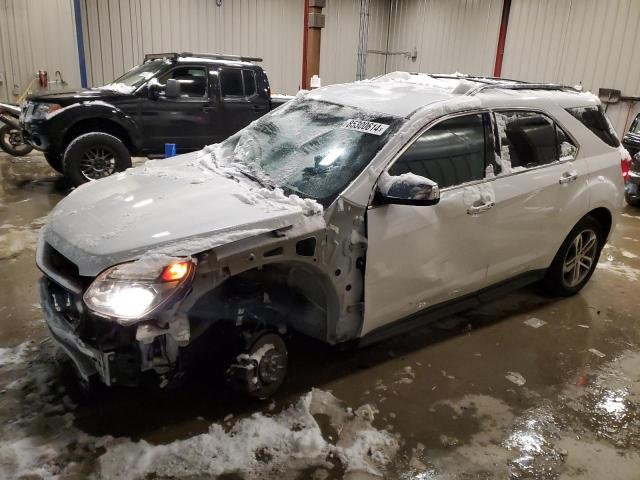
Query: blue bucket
[169, 150]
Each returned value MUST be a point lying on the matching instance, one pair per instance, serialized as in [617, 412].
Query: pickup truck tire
[54, 160]
[93, 156]
[582, 247]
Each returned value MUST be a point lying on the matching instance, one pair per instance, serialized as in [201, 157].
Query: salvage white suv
[351, 213]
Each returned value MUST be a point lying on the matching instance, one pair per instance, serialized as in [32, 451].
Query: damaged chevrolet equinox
[352, 213]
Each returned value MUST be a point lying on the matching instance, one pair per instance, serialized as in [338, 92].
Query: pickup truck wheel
[54, 160]
[576, 260]
[93, 156]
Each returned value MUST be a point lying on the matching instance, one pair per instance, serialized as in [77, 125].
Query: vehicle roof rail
[157, 56]
[220, 56]
[522, 86]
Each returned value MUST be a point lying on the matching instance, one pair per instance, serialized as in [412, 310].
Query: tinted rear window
[595, 120]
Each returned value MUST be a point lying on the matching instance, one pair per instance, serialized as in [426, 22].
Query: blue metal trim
[80, 39]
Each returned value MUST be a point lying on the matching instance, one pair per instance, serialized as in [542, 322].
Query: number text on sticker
[366, 127]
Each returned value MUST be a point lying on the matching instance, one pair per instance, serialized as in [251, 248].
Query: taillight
[625, 164]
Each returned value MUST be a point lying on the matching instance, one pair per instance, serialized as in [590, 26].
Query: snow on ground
[262, 445]
[39, 439]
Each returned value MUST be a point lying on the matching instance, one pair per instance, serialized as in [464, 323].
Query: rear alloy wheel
[11, 141]
[576, 260]
[93, 156]
[579, 258]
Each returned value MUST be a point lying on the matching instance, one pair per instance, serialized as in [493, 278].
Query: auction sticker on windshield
[366, 127]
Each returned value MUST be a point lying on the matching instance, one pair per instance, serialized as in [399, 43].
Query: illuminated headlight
[42, 110]
[132, 291]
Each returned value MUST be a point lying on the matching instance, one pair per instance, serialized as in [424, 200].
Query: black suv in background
[631, 141]
[187, 99]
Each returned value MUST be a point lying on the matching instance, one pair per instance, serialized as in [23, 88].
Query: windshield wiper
[256, 179]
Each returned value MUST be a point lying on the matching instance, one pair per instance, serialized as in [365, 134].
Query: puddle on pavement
[446, 393]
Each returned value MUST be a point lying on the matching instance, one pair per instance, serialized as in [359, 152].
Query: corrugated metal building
[566, 41]
[34, 35]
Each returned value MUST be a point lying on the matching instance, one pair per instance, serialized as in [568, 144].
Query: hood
[69, 97]
[176, 206]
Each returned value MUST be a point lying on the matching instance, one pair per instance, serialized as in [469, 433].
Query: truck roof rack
[220, 56]
[213, 56]
[157, 56]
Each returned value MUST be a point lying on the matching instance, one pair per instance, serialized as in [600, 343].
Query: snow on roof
[397, 93]
[402, 93]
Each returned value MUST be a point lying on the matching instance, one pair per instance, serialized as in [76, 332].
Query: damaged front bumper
[118, 355]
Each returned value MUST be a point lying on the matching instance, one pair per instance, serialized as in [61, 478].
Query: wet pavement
[525, 387]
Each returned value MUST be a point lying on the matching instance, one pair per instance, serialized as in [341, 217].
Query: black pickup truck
[187, 99]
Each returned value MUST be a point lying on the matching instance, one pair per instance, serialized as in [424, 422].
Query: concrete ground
[525, 387]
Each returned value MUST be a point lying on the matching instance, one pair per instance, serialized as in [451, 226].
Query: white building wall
[36, 35]
[339, 49]
[588, 42]
[448, 35]
[119, 32]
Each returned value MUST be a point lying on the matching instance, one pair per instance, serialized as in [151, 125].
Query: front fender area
[99, 116]
[304, 276]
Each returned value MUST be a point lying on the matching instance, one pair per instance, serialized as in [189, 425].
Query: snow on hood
[118, 88]
[179, 206]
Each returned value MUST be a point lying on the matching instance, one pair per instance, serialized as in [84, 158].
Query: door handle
[259, 108]
[568, 177]
[476, 209]
[207, 109]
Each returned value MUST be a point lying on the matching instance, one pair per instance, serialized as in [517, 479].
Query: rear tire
[576, 260]
[93, 156]
[11, 142]
[54, 160]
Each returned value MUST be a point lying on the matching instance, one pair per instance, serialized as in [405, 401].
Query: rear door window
[450, 153]
[595, 120]
[529, 140]
[231, 82]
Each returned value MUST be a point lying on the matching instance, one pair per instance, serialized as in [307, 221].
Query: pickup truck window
[231, 82]
[193, 80]
[249, 78]
[140, 74]
[310, 147]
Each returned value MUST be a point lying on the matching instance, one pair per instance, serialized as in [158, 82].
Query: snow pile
[261, 446]
[118, 88]
[422, 79]
[39, 440]
[15, 355]
[275, 199]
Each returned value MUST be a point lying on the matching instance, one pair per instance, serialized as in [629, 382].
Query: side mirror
[172, 89]
[407, 189]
